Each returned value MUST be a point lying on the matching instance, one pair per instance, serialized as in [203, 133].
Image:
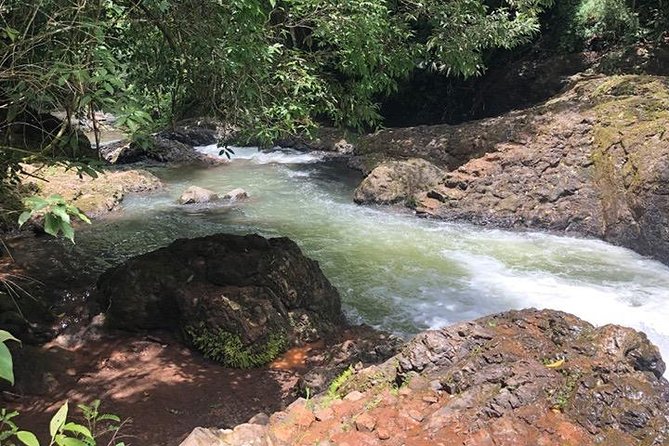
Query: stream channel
[393, 270]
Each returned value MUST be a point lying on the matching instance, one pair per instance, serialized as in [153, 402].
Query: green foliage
[337, 383]
[577, 24]
[6, 366]
[228, 349]
[9, 429]
[57, 214]
[268, 68]
[606, 19]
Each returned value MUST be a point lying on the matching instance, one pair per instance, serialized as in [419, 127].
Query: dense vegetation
[267, 67]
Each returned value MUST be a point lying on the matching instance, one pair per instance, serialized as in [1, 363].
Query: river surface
[395, 271]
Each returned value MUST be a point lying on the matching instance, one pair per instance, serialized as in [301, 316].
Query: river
[395, 271]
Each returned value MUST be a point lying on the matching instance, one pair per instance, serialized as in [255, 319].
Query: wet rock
[397, 181]
[171, 146]
[522, 378]
[235, 297]
[236, 195]
[197, 195]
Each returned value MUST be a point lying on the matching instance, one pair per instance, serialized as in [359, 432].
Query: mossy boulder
[238, 299]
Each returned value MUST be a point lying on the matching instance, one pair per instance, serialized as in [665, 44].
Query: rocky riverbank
[517, 378]
[591, 161]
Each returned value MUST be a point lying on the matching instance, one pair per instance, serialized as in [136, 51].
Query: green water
[395, 271]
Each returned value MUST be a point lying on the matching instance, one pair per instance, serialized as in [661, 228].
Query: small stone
[415, 415]
[431, 399]
[404, 391]
[324, 414]
[383, 434]
[436, 385]
[205, 437]
[354, 396]
[365, 423]
[260, 418]
[302, 416]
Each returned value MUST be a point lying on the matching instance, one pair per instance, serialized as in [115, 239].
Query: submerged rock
[197, 195]
[521, 378]
[240, 300]
[236, 195]
[398, 181]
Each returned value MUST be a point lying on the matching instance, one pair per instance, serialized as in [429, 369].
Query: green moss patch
[228, 349]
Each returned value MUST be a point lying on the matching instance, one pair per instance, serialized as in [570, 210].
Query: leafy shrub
[56, 212]
[609, 20]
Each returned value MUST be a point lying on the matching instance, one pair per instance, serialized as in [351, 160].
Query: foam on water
[275, 156]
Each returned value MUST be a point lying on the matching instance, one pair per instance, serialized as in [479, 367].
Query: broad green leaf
[52, 224]
[7, 336]
[62, 440]
[36, 203]
[68, 231]
[27, 438]
[58, 420]
[78, 429]
[24, 217]
[109, 417]
[6, 366]
[61, 212]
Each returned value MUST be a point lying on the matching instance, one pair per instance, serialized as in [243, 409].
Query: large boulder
[176, 145]
[521, 378]
[157, 148]
[398, 181]
[238, 299]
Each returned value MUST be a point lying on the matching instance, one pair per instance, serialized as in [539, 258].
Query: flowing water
[395, 271]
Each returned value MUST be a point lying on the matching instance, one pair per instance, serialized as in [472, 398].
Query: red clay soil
[162, 387]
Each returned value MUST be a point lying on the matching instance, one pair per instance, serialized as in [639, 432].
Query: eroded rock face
[249, 292]
[591, 161]
[398, 181]
[521, 378]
